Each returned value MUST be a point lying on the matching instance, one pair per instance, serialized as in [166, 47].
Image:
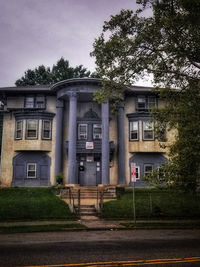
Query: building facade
[60, 129]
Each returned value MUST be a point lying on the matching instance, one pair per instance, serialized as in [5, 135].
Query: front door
[90, 177]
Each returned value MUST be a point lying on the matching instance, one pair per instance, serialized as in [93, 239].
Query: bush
[59, 178]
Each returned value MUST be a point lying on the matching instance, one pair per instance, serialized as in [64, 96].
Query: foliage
[26, 204]
[154, 203]
[44, 75]
[59, 178]
[166, 45]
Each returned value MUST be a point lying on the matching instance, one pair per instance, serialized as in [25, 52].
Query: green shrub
[59, 178]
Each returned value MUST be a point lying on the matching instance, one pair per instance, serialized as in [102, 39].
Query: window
[148, 169]
[31, 170]
[97, 131]
[37, 101]
[146, 103]
[29, 102]
[162, 132]
[141, 104]
[148, 130]
[18, 130]
[40, 101]
[134, 130]
[137, 171]
[31, 129]
[151, 102]
[82, 131]
[46, 129]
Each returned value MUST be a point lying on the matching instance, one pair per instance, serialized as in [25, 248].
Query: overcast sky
[36, 32]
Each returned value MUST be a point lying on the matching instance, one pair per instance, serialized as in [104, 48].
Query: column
[59, 136]
[121, 146]
[105, 156]
[72, 138]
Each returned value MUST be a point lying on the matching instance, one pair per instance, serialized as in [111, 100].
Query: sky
[36, 32]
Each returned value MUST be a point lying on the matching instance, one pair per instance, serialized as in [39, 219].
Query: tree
[166, 45]
[45, 75]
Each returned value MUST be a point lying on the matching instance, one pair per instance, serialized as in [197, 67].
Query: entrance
[90, 177]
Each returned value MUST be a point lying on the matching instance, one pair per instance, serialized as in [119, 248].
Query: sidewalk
[95, 223]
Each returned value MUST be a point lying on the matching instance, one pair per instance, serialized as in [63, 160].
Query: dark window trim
[37, 127]
[50, 134]
[20, 138]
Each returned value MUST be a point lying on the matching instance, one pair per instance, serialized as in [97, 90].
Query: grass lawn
[31, 203]
[154, 204]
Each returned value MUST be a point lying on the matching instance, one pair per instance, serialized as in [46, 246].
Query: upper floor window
[31, 129]
[18, 129]
[31, 170]
[46, 129]
[37, 101]
[148, 130]
[146, 103]
[97, 131]
[29, 102]
[82, 131]
[134, 130]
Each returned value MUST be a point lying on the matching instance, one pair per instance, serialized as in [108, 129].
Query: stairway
[90, 192]
[87, 210]
[89, 195]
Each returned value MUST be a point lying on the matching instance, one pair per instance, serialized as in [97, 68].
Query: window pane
[148, 130]
[18, 133]
[32, 128]
[141, 102]
[148, 169]
[151, 102]
[134, 130]
[31, 170]
[82, 131]
[97, 131]
[29, 102]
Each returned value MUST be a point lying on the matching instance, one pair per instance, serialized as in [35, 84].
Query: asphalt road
[63, 248]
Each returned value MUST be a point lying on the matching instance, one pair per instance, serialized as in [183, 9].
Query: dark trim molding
[33, 115]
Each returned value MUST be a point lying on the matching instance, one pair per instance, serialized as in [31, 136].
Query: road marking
[123, 263]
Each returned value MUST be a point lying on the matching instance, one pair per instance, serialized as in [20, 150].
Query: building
[60, 129]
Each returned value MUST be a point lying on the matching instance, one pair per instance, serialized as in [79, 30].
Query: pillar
[105, 156]
[121, 146]
[59, 136]
[72, 138]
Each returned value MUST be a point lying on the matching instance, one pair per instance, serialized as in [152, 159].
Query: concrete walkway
[95, 223]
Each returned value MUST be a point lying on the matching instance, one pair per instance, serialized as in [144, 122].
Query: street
[119, 247]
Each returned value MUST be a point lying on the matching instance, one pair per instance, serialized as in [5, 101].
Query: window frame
[146, 101]
[25, 101]
[143, 131]
[95, 126]
[130, 131]
[16, 130]
[27, 170]
[86, 135]
[37, 124]
[50, 130]
[137, 172]
[147, 165]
